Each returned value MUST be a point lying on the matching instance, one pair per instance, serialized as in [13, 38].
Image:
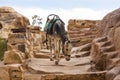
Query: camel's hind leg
[51, 47]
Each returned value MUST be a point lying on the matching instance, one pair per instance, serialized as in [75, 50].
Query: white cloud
[64, 14]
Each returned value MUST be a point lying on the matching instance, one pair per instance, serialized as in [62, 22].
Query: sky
[65, 9]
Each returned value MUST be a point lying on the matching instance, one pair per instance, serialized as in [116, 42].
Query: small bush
[3, 47]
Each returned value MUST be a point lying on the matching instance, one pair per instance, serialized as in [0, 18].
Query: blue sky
[66, 9]
[67, 4]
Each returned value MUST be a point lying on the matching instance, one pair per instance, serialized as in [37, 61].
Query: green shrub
[3, 47]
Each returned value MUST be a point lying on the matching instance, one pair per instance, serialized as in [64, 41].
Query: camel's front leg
[57, 50]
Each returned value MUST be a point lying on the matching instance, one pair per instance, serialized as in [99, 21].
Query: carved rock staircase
[104, 54]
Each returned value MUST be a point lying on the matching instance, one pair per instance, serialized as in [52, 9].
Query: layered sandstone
[110, 26]
[103, 53]
[83, 31]
[9, 19]
[106, 49]
[11, 72]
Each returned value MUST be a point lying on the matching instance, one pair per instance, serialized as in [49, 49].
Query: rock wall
[11, 72]
[103, 53]
[36, 38]
[83, 31]
[110, 26]
[9, 19]
[110, 53]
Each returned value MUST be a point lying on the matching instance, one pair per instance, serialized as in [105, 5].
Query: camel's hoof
[56, 62]
[51, 59]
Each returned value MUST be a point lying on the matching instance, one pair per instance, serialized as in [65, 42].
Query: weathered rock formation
[103, 53]
[11, 72]
[9, 19]
[83, 31]
[99, 39]
[14, 57]
[110, 26]
[19, 46]
[35, 32]
[106, 50]
[104, 35]
[4, 74]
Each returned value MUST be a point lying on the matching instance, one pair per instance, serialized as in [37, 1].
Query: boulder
[14, 57]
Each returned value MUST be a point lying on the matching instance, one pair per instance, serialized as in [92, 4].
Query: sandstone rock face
[14, 57]
[11, 72]
[110, 26]
[36, 38]
[43, 38]
[22, 40]
[16, 72]
[110, 22]
[4, 74]
[113, 73]
[117, 77]
[83, 31]
[104, 54]
[9, 18]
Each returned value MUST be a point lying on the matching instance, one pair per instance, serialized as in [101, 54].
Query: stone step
[44, 51]
[110, 55]
[74, 66]
[85, 47]
[82, 54]
[101, 39]
[82, 48]
[82, 76]
[42, 55]
[108, 48]
[106, 43]
[113, 62]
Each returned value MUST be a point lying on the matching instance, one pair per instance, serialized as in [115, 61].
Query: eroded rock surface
[9, 19]
[110, 26]
[14, 57]
[104, 54]
[83, 31]
[4, 74]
